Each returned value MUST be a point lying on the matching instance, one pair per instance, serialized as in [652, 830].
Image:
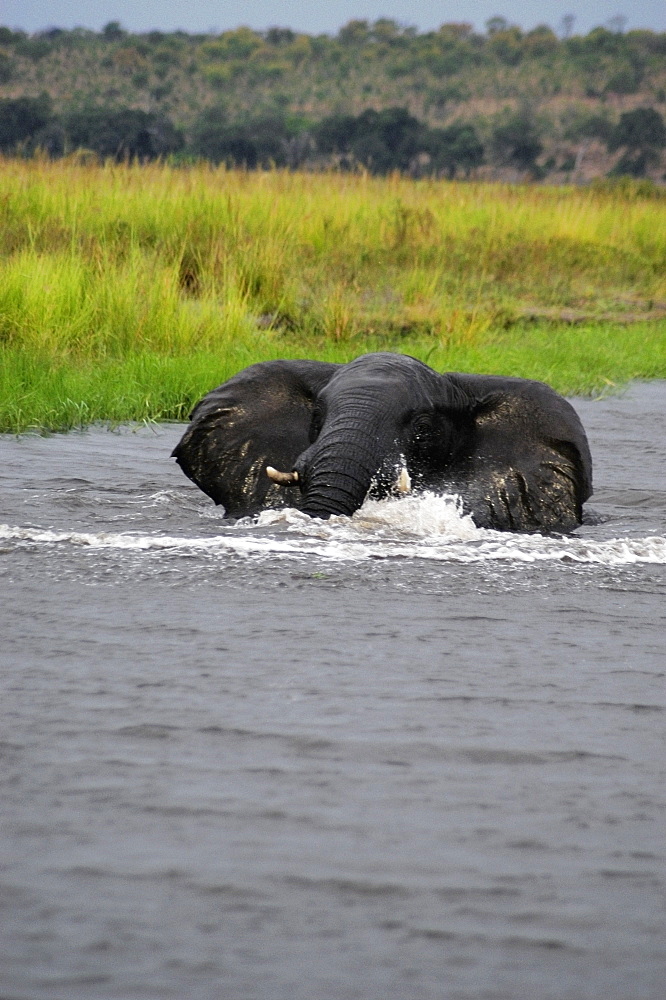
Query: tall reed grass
[126, 292]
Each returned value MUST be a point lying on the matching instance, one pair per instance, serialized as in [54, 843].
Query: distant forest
[504, 104]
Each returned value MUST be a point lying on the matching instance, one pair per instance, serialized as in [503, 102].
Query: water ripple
[427, 527]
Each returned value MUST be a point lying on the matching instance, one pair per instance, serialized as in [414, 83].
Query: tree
[389, 139]
[567, 24]
[280, 36]
[580, 124]
[495, 24]
[21, 118]
[393, 140]
[515, 141]
[626, 80]
[507, 45]
[122, 133]
[262, 141]
[354, 33]
[381, 140]
[113, 31]
[642, 128]
[336, 134]
[642, 134]
[6, 68]
[617, 24]
[541, 41]
[454, 148]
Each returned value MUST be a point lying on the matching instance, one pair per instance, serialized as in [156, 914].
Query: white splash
[424, 527]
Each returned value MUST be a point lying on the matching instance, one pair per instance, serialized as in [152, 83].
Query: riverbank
[128, 292]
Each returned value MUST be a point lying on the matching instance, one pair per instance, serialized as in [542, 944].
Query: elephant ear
[525, 464]
[259, 417]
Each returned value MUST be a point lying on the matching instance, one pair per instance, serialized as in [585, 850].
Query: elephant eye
[422, 424]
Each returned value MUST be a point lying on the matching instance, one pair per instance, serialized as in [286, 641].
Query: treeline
[605, 61]
[379, 95]
[378, 141]
[29, 125]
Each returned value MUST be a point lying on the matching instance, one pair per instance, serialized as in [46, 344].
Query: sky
[319, 18]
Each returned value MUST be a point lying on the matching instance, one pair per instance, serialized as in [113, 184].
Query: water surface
[386, 756]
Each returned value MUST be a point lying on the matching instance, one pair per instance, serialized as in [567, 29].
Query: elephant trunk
[331, 492]
[337, 472]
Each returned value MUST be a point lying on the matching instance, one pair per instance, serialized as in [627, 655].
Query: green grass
[126, 293]
[47, 394]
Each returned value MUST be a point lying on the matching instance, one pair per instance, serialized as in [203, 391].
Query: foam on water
[425, 527]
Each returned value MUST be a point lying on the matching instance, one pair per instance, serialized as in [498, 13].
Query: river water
[392, 756]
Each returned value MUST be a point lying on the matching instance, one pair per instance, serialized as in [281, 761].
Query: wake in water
[419, 527]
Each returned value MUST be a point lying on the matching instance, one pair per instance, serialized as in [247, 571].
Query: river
[392, 756]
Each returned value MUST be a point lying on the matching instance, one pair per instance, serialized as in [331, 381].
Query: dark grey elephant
[321, 436]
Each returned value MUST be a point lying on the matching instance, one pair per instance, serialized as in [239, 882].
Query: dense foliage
[377, 95]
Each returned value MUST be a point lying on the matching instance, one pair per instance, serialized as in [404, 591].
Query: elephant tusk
[283, 478]
[403, 483]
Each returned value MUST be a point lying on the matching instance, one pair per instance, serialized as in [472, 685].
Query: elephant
[321, 437]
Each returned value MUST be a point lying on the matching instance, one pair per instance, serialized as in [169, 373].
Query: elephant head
[321, 437]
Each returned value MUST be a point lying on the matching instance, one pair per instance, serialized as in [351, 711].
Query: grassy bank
[128, 292]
